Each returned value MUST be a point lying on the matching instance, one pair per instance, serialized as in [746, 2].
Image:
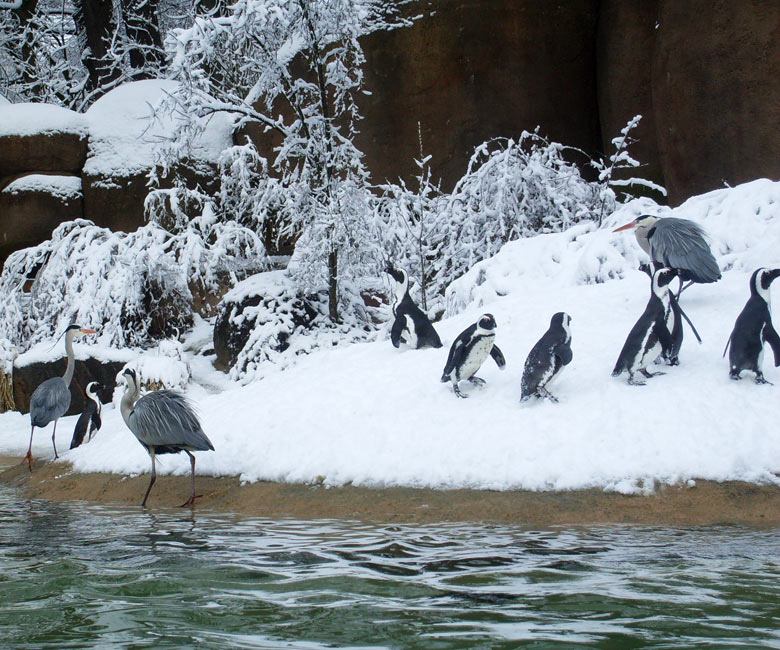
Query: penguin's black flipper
[727, 344]
[498, 356]
[453, 359]
[664, 337]
[397, 330]
[563, 352]
[96, 422]
[771, 337]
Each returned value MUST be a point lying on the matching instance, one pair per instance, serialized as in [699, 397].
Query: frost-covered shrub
[266, 321]
[131, 287]
[512, 189]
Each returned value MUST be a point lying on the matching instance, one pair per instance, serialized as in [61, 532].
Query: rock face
[716, 93]
[27, 378]
[33, 205]
[471, 70]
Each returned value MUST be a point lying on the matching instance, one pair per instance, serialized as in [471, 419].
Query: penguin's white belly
[476, 357]
[645, 359]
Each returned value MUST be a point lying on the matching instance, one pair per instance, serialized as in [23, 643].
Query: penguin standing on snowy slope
[470, 350]
[547, 359]
[754, 328]
[411, 325]
[89, 421]
[649, 336]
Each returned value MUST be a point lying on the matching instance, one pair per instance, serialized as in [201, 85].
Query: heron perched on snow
[677, 244]
[89, 421]
[164, 423]
[51, 399]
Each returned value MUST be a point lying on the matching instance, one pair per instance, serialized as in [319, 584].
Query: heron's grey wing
[49, 401]
[166, 418]
[681, 244]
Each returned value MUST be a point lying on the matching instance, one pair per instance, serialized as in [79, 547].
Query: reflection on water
[74, 576]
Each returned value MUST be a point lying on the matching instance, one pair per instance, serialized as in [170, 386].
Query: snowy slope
[371, 415]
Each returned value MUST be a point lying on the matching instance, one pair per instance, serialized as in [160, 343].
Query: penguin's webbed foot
[673, 361]
[734, 374]
[649, 374]
[635, 382]
[543, 392]
[761, 380]
[477, 381]
[457, 391]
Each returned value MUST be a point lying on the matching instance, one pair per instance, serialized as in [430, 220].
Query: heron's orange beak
[626, 227]
[84, 330]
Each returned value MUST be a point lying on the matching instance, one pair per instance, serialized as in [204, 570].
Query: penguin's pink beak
[626, 227]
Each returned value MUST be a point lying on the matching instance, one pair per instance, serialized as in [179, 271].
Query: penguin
[89, 421]
[470, 350]
[547, 359]
[673, 319]
[411, 325]
[649, 336]
[754, 328]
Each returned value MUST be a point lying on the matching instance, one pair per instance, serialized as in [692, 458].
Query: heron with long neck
[164, 422]
[51, 399]
[678, 244]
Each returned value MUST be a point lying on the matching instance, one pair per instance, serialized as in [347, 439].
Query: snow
[32, 119]
[369, 414]
[128, 125]
[65, 187]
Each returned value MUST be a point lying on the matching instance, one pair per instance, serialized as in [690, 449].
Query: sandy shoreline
[705, 504]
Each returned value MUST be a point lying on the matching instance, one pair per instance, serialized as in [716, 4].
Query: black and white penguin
[754, 328]
[673, 320]
[89, 421]
[411, 325]
[547, 359]
[649, 336]
[470, 350]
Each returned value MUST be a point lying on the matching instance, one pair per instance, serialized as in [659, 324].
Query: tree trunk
[145, 44]
[333, 285]
[25, 14]
[96, 26]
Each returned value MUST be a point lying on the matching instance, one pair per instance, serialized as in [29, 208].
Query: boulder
[128, 128]
[28, 377]
[262, 312]
[33, 205]
[41, 138]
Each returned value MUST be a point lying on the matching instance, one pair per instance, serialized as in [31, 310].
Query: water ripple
[74, 576]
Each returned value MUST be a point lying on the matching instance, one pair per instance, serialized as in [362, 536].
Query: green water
[77, 576]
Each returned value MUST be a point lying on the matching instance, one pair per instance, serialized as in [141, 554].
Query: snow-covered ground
[371, 415]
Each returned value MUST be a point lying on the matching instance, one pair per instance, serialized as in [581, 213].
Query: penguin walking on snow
[411, 325]
[754, 328]
[547, 359]
[649, 336]
[89, 421]
[470, 350]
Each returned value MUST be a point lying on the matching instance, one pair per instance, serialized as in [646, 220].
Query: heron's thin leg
[29, 457]
[151, 482]
[54, 444]
[192, 498]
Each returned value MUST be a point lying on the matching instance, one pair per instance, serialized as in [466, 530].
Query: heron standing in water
[51, 399]
[164, 423]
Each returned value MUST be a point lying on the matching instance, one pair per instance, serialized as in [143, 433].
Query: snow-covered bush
[131, 287]
[267, 321]
[512, 189]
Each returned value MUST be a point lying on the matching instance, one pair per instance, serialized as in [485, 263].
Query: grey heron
[164, 423]
[89, 421]
[51, 399]
[677, 244]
